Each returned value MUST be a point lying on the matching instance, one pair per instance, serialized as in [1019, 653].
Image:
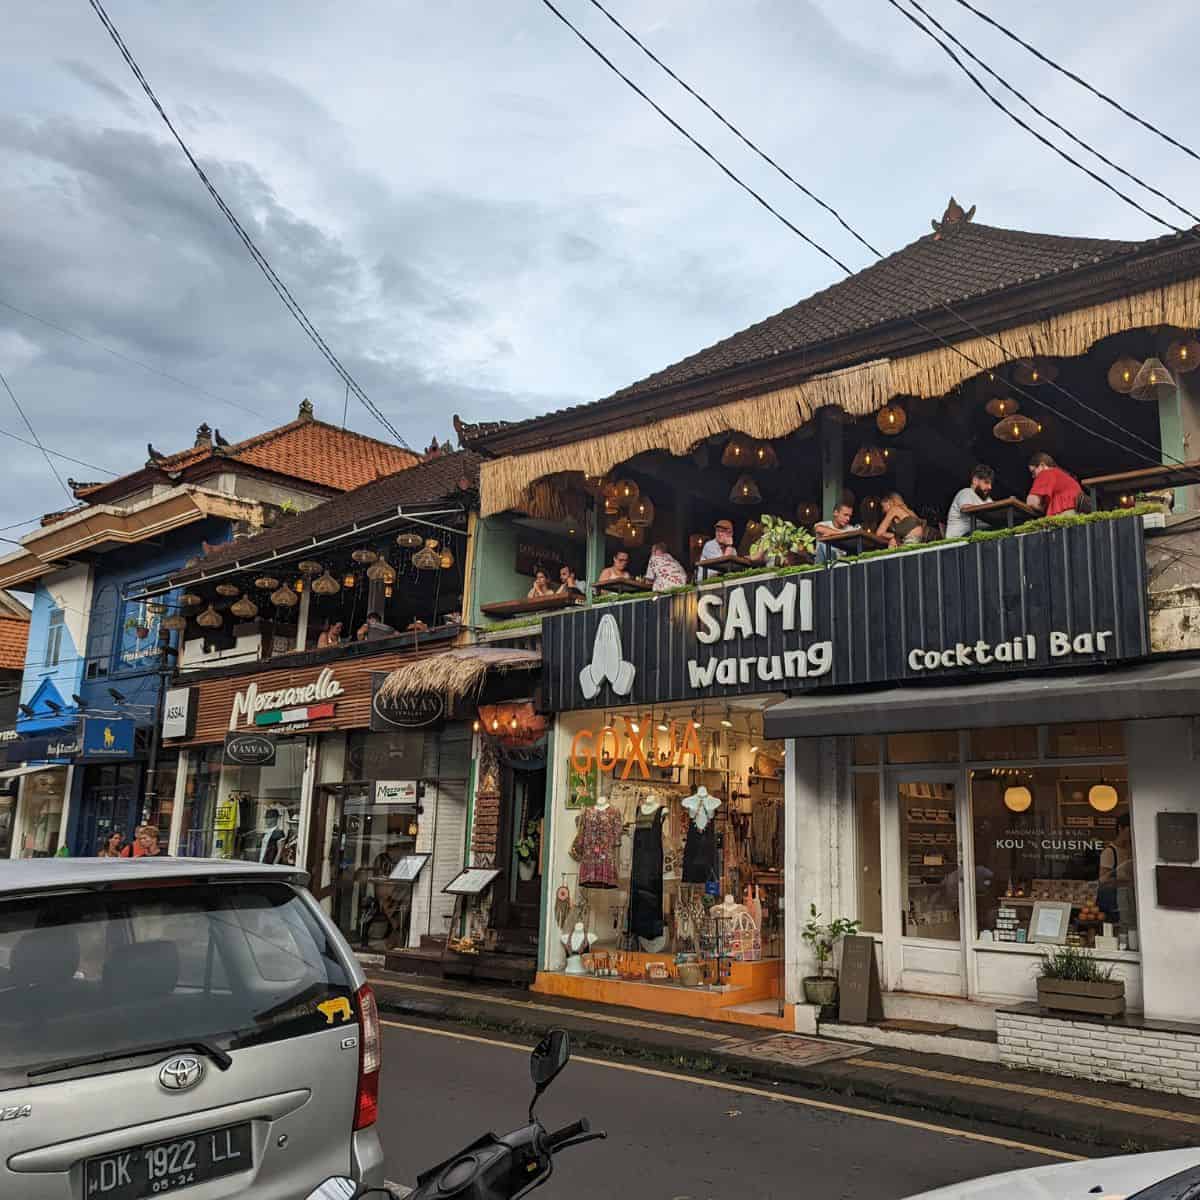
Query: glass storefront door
[927, 901]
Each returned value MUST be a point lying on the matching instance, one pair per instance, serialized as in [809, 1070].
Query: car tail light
[370, 1058]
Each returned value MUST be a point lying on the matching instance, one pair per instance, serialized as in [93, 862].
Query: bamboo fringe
[452, 678]
[520, 480]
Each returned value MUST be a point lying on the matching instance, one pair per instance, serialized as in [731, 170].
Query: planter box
[1103, 999]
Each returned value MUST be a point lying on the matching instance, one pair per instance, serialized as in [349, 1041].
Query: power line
[1108, 162]
[36, 440]
[1012, 116]
[129, 359]
[57, 454]
[936, 301]
[281, 289]
[1083, 83]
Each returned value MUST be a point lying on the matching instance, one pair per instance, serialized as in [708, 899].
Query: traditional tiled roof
[470, 432]
[14, 633]
[447, 476]
[304, 449]
[960, 262]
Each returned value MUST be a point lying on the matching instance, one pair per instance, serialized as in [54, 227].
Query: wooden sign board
[1177, 887]
[859, 998]
[1178, 836]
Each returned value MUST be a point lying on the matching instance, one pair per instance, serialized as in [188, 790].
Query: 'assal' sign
[1062, 598]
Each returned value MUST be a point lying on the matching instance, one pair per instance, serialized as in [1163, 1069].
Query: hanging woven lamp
[325, 585]
[191, 600]
[807, 513]
[763, 457]
[737, 452]
[298, 586]
[891, 420]
[210, 618]
[447, 558]
[266, 583]
[364, 556]
[228, 589]
[593, 484]
[745, 491]
[428, 558]
[621, 528]
[1153, 381]
[381, 571]
[1035, 371]
[244, 608]
[409, 540]
[1018, 428]
[868, 461]
[641, 511]
[310, 566]
[284, 598]
[349, 581]
[1184, 355]
[627, 492]
[870, 510]
[175, 622]
[635, 537]
[612, 502]
[1002, 406]
[1122, 374]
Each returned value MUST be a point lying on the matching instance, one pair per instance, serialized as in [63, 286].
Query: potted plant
[527, 852]
[140, 631]
[822, 937]
[1070, 979]
[782, 543]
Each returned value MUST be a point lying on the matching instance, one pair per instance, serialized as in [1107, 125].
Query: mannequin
[597, 844]
[272, 837]
[646, 877]
[700, 849]
[701, 807]
[577, 943]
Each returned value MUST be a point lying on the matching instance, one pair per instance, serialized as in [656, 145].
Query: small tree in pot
[822, 937]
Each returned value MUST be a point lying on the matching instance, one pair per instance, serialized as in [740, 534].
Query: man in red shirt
[1053, 490]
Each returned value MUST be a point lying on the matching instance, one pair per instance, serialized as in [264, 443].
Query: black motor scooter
[492, 1168]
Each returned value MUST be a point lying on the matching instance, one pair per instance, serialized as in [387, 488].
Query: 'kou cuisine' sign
[1068, 597]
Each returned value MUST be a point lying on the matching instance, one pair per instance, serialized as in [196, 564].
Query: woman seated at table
[900, 525]
[618, 570]
[331, 635]
[664, 570]
[541, 586]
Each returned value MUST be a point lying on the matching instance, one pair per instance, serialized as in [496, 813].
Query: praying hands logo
[607, 662]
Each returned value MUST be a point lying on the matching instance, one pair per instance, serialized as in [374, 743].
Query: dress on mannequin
[598, 845]
[700, 849]
[646, 874]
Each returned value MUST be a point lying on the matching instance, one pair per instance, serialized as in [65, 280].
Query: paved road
[668, 1139]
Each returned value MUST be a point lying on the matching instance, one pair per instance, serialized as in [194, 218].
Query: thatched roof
[457, 674]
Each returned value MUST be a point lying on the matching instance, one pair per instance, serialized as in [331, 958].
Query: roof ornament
[221, 441]
[203, 436]
[954, 215]
[306, 410]
[152, 455]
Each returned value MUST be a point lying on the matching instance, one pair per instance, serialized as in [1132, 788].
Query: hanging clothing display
[597, 845]
[646, 875]
[700, 849]
[766, 834]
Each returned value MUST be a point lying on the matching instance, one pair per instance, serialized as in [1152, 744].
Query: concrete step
[978, 1045]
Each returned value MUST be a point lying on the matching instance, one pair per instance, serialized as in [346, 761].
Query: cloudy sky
[477, 215]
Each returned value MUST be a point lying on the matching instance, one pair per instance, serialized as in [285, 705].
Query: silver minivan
[179, 1025]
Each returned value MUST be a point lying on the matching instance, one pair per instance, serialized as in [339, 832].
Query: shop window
[44, 796]
[929, 867]
[101, 627]
[1006, 743]
[866, 750]
[866, 830]
[939, 747]
[1089, 739]
[1058, 836]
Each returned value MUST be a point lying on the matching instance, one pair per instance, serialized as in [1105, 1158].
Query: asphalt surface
[670, 1139]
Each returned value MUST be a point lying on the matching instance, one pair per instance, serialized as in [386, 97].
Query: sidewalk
[1113, 1119]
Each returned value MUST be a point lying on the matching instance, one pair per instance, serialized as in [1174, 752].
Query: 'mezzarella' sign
[1070, 597]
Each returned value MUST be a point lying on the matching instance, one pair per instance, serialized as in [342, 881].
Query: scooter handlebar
[566, 1133]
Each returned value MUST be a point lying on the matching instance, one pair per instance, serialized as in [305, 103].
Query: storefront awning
[1162, 689]
[457, 674]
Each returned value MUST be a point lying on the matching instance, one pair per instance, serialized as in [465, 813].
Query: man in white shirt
[720, 545]
[958, 523]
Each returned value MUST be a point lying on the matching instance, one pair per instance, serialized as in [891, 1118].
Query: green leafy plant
[287, 508]
[527, 847]
[1074, 963]
[823, 936]
[779, 539]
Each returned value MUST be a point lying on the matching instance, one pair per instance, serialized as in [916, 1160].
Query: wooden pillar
[595, 557]
[302, 615]
[829, 430]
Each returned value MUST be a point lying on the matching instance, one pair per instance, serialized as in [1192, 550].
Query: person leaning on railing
[1053, 490]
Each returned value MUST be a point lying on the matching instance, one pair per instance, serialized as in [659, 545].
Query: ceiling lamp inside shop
[349, 580]
[1034, 372]
[325, 585]
[1153, 381]
[1016, 429]
[745, 491]
[1002, 406]
[428, 558]
[1017, 799]
[736, 452]
[763, 457]
[210, 618]
[409, 540]
[381, 571]
[284, 597]
[266, 583]
[641, 511]
[1184, 355]
[244, 608]
[868, 461]
[1102, 797]
[1122, 374]
[447, 559]
[891, 420]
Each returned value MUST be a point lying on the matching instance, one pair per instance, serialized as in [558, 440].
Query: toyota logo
[180, 1073]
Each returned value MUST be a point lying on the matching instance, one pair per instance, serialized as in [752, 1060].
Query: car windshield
[122, 969]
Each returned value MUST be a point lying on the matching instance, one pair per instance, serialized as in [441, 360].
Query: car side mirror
[549, 1057]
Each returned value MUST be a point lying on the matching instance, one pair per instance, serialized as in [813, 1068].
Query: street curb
[1105, 1129]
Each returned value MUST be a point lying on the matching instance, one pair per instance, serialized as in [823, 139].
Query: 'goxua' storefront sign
[1067, 597]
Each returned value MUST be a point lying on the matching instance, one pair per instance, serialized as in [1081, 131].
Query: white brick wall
[1146, 1058]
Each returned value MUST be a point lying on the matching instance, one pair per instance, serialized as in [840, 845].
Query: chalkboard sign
[1178, 838]
[859, 1000]
[1177, 887]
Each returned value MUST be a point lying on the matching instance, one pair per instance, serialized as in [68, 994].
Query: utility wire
[1012, 116]
[260, 259]
[57, 454]
[863, 280]
[127, 358]
[1080, 142]
[1083, 83]
[36, 440]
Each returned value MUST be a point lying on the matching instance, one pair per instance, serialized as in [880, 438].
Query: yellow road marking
[1140, 1110]
[530, 1006]
[744, 1090]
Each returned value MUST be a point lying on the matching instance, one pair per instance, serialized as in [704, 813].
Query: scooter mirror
[549, 1057]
